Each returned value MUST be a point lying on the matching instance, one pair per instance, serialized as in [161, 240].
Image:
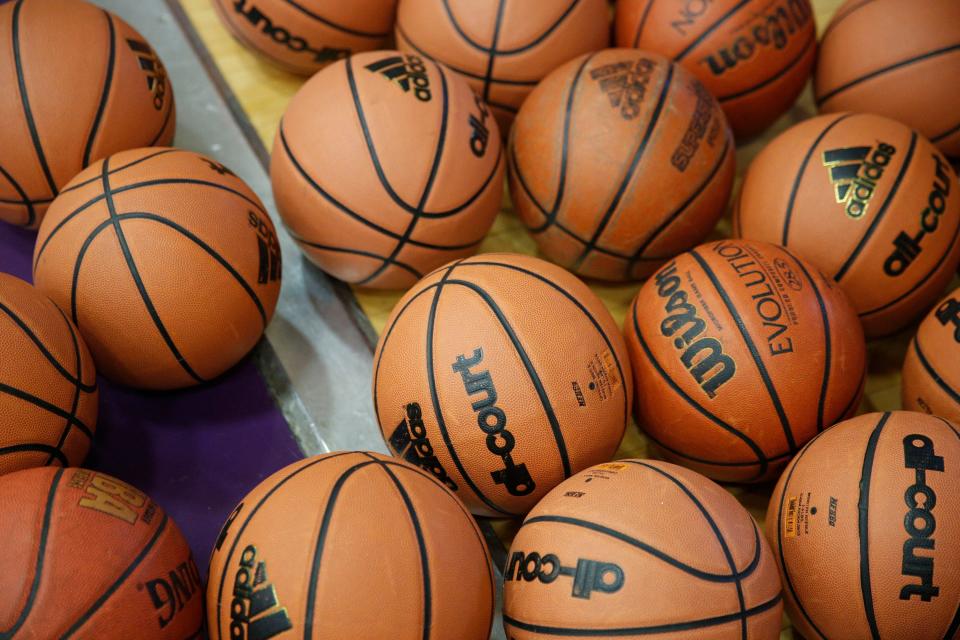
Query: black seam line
[856, 396]
[531, 371]
[356, 216]
[696, 42]
[748, 340]
[431, 177]
[166, 120]
[642, 24]
[75, 403]
[801, 170]
[135, 274]
[863, 510]
[762, 459]
[640, 631]
[79, 185]
[43, 404]
[551, 216]
[321, 545]
[873, 74]
[845, 267]
[334, 25]
[631, 170]
[26, 201]
[356, 252]
[38, 567]
[717, 463]
[721, 578]
[837, 19]
[37, 447]
[492, 52]
[82, 620]
[435, 398]
[946, 134]
[950, 248]
[954, 395]
[246, 521]
[811, 41]
[25, 100]
[676, 213]
[104, 94]
[506, 52]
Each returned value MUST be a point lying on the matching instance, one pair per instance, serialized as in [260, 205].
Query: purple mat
[196, 452]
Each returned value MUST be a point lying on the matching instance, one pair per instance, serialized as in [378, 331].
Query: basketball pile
[502, 385]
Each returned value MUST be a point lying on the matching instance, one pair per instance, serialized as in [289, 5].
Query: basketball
[306, 35]
[898, 59]
[755, 56]
[503, 48]
[48, 385]
[618, 161]
[88, 556]
[931, 371]
[61, 112]
[863, 524]
[385, 167]
[869, 202]
[741, 354]
[166, 262]
[350, 545]
[636, 549]
[524, 380]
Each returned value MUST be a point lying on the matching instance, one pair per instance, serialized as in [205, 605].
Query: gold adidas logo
[855, 172]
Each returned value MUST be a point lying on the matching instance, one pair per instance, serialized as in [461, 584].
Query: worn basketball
[895, 58]
[350, 545]
[304, 36]
[931, 371]
[503, 48]
[167, 263]
[637, 549]
[755, 56]
[742, 353]
[87, 556]
[863, 525]
[618, 161]
[501, 375]
[48, 384]
[869, 202]
[78, 84]
[385, 167]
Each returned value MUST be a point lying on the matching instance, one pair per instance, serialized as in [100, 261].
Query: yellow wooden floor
[264, 91]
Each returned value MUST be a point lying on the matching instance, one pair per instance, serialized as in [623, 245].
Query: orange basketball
[89, 557]
[754, 55]
[864, 524]
[48, 385]
[502, 47]
[385, 167]
[501, 375]
[304, 36]
[637, 549]
[78, 84]
[167, 263]
[620, 160]
[742, 353]
[869, 202]
[350, 545]
[931, 371]
[896, 58]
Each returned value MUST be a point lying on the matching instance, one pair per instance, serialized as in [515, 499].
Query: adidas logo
[156, 74]
[411, 443]
[854, 172]
[254, 612]
[625, 84]
[408, 72]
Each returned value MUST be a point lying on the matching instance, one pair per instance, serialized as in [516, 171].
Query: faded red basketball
[931, 371]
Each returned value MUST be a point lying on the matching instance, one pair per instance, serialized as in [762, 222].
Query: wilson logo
[255, 613]
[171, 593]
[407, 72]
[919, 522]
[268, 248]
[588, 576]
[701, 355]
[854, 173]
[151, 65]
[906, 248]
[259, 20]
[493, 421]
[949, 313]
[625, 84]
[410, 441]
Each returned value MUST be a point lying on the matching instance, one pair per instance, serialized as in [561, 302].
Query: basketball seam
[76, 390]
[715, 463]
[339, 27]
[837, 19]
[104, 93]
[36, 447]
[863, 510]
[357, 252]
[811, 41]
[710, 29]
[116, 170]
[642, 24]
[492, 53]
[166, 121]
[25, 199]
[954, 395]
[946, 134]
[507, 52]
[40, 403]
